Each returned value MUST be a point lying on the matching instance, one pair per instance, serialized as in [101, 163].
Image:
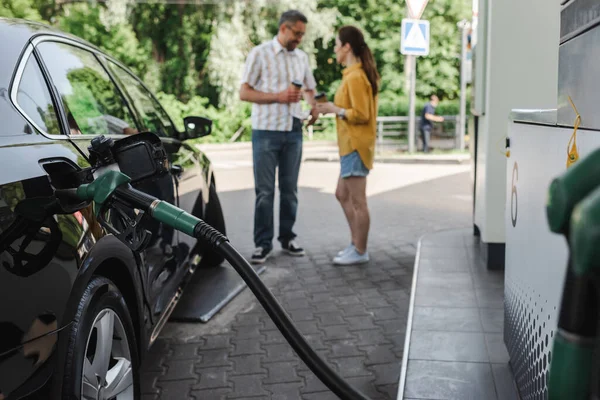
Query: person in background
[428, 117]
[355, 106]
[273, 78]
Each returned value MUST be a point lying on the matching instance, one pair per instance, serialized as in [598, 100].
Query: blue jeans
[272, 149]
[425, 136]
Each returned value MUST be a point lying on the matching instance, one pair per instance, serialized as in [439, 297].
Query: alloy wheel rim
[107, 372]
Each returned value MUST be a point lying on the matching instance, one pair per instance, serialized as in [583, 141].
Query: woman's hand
[327, 108]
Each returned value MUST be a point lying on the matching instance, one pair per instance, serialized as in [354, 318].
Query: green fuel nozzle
[572, 370]
[569, 189]
[573, 209]
[102, 189]
[115, 184]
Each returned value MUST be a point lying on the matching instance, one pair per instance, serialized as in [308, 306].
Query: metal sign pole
[411, 63]
[464, 25]
[415, 9]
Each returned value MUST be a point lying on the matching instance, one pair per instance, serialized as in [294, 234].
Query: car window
[153, 117]
[91, 100]
[33, 96]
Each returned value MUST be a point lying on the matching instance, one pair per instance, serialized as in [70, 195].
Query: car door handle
[176, 170]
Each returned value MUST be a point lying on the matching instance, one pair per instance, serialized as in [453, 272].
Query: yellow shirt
[358, 130]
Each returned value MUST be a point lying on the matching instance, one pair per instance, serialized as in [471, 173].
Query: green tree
[439, 72]
[19, 9]
[381, 22]
[244, 24]
[193, 54]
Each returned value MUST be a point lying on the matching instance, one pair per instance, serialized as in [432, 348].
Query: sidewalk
[326, 151]
[454, 345]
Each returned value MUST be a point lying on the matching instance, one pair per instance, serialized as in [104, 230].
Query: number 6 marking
[514, 206]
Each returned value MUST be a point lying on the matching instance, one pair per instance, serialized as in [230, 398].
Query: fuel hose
[184, 222]
[193, 226]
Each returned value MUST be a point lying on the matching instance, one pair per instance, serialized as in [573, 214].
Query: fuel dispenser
[549, 290]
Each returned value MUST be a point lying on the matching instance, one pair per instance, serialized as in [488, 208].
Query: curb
[248, 145]
[409, 321]
[411, 309]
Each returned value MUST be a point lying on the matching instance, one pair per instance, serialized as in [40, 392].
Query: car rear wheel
[102, 360]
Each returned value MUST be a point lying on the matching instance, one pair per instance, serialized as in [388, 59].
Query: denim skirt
[352, 165]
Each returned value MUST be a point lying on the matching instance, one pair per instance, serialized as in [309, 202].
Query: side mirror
[196, 127]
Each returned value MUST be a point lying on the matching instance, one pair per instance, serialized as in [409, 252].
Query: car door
[95, 106]
[189, 179]
[39, 250]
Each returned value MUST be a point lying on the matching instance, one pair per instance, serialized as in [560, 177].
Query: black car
[78, 308]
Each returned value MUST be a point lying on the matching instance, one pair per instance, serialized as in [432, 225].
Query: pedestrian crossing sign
[415, 37]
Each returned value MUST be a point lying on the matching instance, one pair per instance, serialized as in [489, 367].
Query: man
[270, 70]
[428, 117]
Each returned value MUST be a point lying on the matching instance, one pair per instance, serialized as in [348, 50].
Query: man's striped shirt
[271, 68]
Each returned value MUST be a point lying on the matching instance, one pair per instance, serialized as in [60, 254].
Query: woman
[355, 105]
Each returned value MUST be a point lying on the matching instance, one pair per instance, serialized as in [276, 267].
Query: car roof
[15, 34]
[20, 30]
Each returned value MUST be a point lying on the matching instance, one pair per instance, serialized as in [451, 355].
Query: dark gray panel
[578, 70]
[578, 16]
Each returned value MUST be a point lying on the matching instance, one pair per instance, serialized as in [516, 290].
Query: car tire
[213, 215]
[92, 346]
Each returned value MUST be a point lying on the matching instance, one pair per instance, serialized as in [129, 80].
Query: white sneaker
[347, 249]
[351, 257]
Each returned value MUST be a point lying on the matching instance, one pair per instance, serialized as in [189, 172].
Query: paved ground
[457, 349]
[354, 316]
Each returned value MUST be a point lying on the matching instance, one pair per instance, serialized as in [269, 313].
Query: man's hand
[434, 118]
[314, 116]
[289, 95]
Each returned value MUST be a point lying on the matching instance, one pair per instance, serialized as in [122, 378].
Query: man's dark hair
[292, 16]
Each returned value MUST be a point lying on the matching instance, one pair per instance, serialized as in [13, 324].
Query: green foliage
[114, 37]
[92, 98]
[391, 104]
[381, 22]
[226, 122]
[24, 9]
[439, 72]
[244, 24]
